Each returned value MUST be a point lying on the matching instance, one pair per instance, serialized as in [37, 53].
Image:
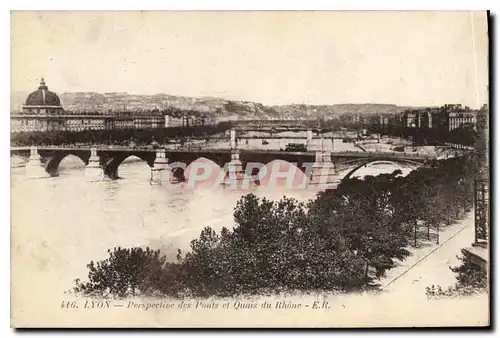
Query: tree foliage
[464, 135]
[115, 136]
[125, 272]
[344, 239]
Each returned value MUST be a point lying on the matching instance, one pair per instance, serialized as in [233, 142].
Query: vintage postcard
[249, 169]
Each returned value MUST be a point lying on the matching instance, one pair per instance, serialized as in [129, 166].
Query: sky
[403, 58]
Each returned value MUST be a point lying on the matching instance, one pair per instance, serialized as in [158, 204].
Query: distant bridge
[279, 129]
[276, 123]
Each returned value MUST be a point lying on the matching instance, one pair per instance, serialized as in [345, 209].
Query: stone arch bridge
[318, 166]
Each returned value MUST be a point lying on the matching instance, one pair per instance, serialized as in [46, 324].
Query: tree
[362, 214]
[125, 272]
[470, 275]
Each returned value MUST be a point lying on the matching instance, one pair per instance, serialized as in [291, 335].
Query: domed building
[42, 111]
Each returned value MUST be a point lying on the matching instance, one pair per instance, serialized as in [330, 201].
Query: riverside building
[43, 111]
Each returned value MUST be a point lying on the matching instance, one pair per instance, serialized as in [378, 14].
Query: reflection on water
[62, 223]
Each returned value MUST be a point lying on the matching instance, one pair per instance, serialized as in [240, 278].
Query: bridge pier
[323, 170]
[35, 167]
[93, 170]
[160, 164]
[235, 172]
[233, 142]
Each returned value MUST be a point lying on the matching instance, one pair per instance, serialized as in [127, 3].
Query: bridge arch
[275, 175]
[177, 172]
[365, 163]
[203, 171]
[111, 166]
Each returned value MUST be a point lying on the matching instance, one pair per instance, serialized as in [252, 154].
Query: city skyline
[268, 57]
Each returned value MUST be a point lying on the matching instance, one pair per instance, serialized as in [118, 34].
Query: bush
[126, 272]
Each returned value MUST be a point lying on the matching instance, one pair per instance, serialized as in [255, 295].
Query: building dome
[43, 97]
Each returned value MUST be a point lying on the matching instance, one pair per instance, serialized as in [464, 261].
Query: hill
[303, 110]
[116, 101]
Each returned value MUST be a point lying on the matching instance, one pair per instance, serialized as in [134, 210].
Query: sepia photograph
[257, 169]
